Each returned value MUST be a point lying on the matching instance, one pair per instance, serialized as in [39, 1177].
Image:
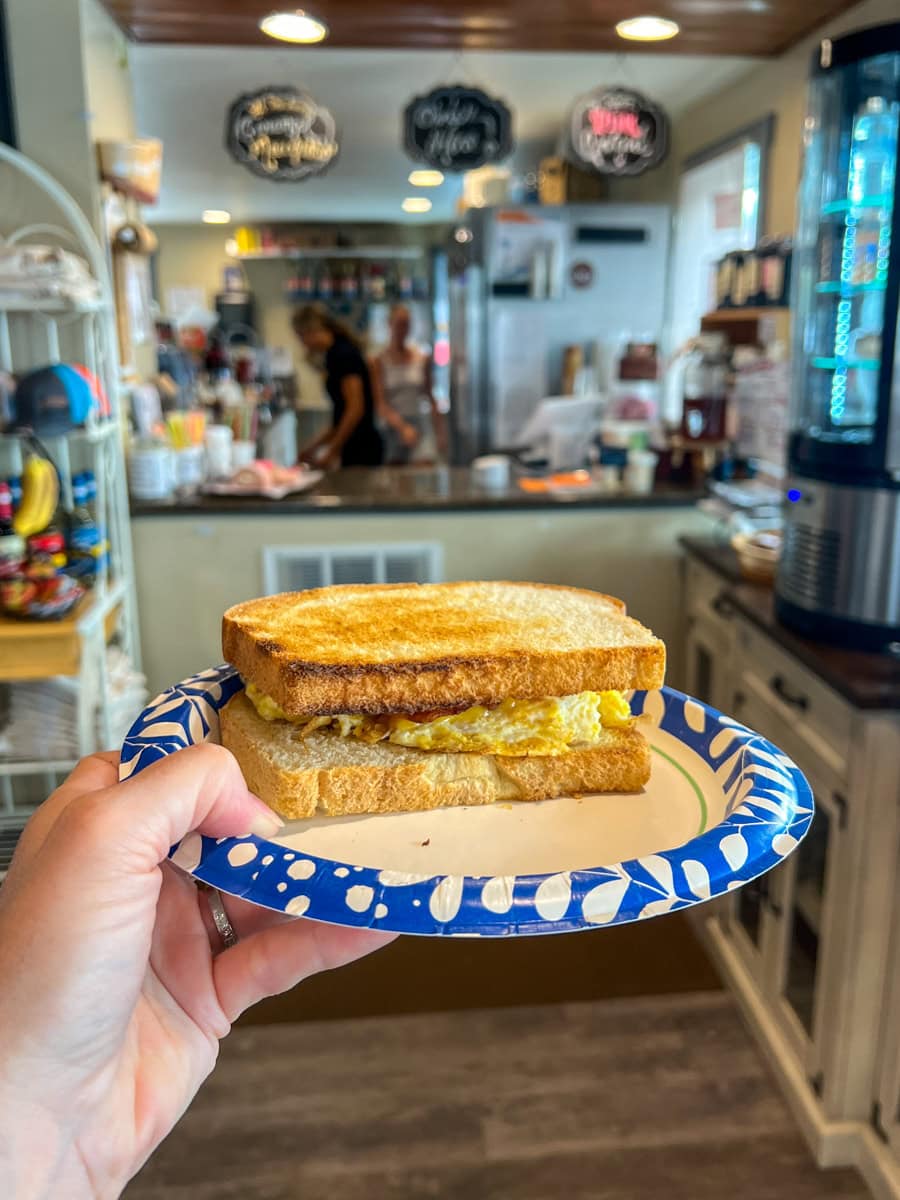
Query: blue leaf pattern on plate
[769, 807]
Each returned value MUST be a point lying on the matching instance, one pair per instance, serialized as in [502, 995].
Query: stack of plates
[43, 716]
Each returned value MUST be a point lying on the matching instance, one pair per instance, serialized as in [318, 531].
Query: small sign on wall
[281, 133]
[727, 210]
[457, 129]
[581, 274]
[618, 131]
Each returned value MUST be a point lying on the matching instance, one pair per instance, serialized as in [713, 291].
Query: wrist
[36, 1155]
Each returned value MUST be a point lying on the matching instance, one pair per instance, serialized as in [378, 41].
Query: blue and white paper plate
[723, 806]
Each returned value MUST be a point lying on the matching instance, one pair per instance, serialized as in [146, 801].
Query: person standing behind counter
[352, 440]
[409, 415]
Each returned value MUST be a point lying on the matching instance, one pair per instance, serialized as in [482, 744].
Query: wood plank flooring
[624, 1099]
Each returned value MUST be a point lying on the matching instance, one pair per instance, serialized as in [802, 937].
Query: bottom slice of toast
[326, 774]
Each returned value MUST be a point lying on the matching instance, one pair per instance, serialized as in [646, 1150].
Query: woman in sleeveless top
[352, 440]
[412, 425]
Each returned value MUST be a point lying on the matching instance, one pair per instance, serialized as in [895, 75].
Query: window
[719, 208]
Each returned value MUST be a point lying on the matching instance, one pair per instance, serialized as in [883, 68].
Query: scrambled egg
[515, 727]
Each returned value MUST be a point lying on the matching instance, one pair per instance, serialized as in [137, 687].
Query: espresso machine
[839, 576]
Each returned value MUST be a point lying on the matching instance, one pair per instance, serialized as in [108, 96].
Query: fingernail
[266, 825]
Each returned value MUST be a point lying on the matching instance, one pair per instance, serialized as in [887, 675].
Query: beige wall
[71, 86]
[190, 569]
[50, 97]
[194, 256]
[107, 74]
[775, 86]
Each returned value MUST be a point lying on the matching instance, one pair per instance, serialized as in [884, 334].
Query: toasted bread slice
[327, 774]
[410, 647]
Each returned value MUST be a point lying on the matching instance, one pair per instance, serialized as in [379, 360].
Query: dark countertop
[412, 489]
[869, 681]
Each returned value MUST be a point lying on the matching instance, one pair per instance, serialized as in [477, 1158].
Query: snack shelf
[31, 650]
[36, 332]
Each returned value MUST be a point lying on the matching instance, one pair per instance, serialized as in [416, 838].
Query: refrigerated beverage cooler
[525, 284]
[839, 578]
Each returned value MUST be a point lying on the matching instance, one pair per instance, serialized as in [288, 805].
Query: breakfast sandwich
[393, 698]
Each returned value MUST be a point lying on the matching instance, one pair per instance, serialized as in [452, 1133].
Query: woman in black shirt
[352, 439]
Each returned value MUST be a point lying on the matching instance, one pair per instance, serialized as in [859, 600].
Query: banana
[40, 496]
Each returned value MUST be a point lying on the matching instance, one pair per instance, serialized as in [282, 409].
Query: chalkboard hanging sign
[281, 133]
[617, 131]
[457, 129]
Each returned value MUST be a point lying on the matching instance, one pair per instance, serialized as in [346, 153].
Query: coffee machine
[839, 576]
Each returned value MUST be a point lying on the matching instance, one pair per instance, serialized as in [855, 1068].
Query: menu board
[281, 133]
[618, 131]
[457, 129]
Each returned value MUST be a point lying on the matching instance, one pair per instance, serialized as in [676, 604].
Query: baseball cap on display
[55, 400]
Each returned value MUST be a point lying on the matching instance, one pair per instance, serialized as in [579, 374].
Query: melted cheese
[515, 727]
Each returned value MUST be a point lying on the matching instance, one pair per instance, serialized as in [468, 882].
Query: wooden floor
[627, 1099]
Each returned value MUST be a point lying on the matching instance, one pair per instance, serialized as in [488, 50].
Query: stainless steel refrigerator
[525, 283]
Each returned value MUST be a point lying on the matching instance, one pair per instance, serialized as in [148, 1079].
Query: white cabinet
[786, 925]
[709, 636]
[812, 950]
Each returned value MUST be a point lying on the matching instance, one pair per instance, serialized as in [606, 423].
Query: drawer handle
[722, 605]
[794, 699]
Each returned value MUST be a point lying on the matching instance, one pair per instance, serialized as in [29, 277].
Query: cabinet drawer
[706, 593]
[809, 708]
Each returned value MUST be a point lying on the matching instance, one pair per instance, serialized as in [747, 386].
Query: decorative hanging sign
[617, 131]
[281, 133]
[457, 129]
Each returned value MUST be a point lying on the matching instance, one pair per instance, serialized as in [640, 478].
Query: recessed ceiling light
[426, 178]
[294, 26]
[416, 204]
[647, 29]
[216, 216]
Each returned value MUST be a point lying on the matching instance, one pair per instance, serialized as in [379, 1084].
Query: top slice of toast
[415, 647]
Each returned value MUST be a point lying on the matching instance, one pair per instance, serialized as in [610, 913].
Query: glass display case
[841, 563]
[842, 255]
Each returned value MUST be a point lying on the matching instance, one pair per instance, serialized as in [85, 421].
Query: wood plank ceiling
[751, 27]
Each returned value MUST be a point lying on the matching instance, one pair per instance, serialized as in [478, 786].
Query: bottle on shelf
[6, 509]
[12, 547]
[405, 290]
[325, 283]
[85, 544]
[873, 153]
[349, 282]
[305, 285]
[378, 284]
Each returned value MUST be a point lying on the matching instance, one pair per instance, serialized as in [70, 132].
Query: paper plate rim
[769, 808]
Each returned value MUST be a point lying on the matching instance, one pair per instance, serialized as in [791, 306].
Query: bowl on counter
[758, 554]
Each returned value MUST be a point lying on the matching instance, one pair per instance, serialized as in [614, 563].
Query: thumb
[198, 789]
[128, 829]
